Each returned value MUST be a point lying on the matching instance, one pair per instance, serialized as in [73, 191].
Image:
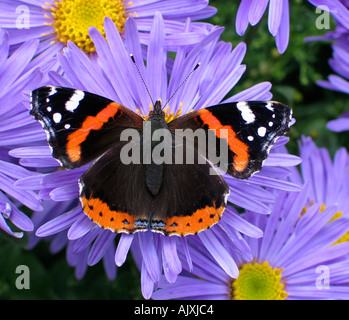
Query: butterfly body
[165, 196]
[153, 171]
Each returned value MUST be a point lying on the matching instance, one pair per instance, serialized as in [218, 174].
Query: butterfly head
[157, 111]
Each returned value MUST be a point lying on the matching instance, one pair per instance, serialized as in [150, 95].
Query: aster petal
[20, 220]
[278, 229]
[65, 193]
[188, 288]
[232, 241]
[171, 263]
[14, 171]
[21, 136]
[319, 257]
[242, 21]
[84, 242]
[156, 73]
[17, 36]
[275, 183]
[4, 46]
[260, 91]
[328, 235]
[240, 198]
[13, 68]
[274, 16]
[147, 283]
[257, 10]
[80, 227]
[338, 125]
[81, 64]
[337, 83]
[283, 34]
[27, 197]
[39, 162]
[4, 226]
[19, 120]
[58, 242]
[31, 152]
[219, 253]
[275, 159]
[61, 178]
[58, 224]
[100, 246]
[123, 248]
[305, 234]
[32, 182]
[133, 44]
[202, 266]
[149, 253]
[108, 262]
[188, 259]
[81, 264]
[240, 224]
[106, 57]
[174, 9]
[311, 292]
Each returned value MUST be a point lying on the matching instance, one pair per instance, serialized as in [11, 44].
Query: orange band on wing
[100, 213]
[76, 138]
[201, 219]
[239, 148]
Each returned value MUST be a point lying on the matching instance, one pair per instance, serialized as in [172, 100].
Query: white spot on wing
[269, 106]
[74, 100]
[57, 117]
[226, 196]
[246, 112]
[52, 91]
[250, 138]
[262, 131]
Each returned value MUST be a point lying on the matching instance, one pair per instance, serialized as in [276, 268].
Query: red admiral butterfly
[173, 199]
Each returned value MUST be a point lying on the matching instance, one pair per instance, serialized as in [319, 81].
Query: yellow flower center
[71, 19]
[258, 281]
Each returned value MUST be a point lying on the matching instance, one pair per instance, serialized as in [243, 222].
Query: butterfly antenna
[191, 72]
[134, 61]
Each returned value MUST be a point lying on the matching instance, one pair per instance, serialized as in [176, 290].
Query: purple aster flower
[252, 11]
[19, 72]
[303, 253]
[55, 22]
[220, 70]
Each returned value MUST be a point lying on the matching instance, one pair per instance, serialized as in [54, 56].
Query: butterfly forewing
[80, 126]
[250, 130]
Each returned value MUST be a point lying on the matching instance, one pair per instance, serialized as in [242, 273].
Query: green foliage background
[293, 76]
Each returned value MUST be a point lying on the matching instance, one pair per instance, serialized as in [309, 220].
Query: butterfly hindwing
[80, 126]
[180, 210]
[250, 130]
[115, 196]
